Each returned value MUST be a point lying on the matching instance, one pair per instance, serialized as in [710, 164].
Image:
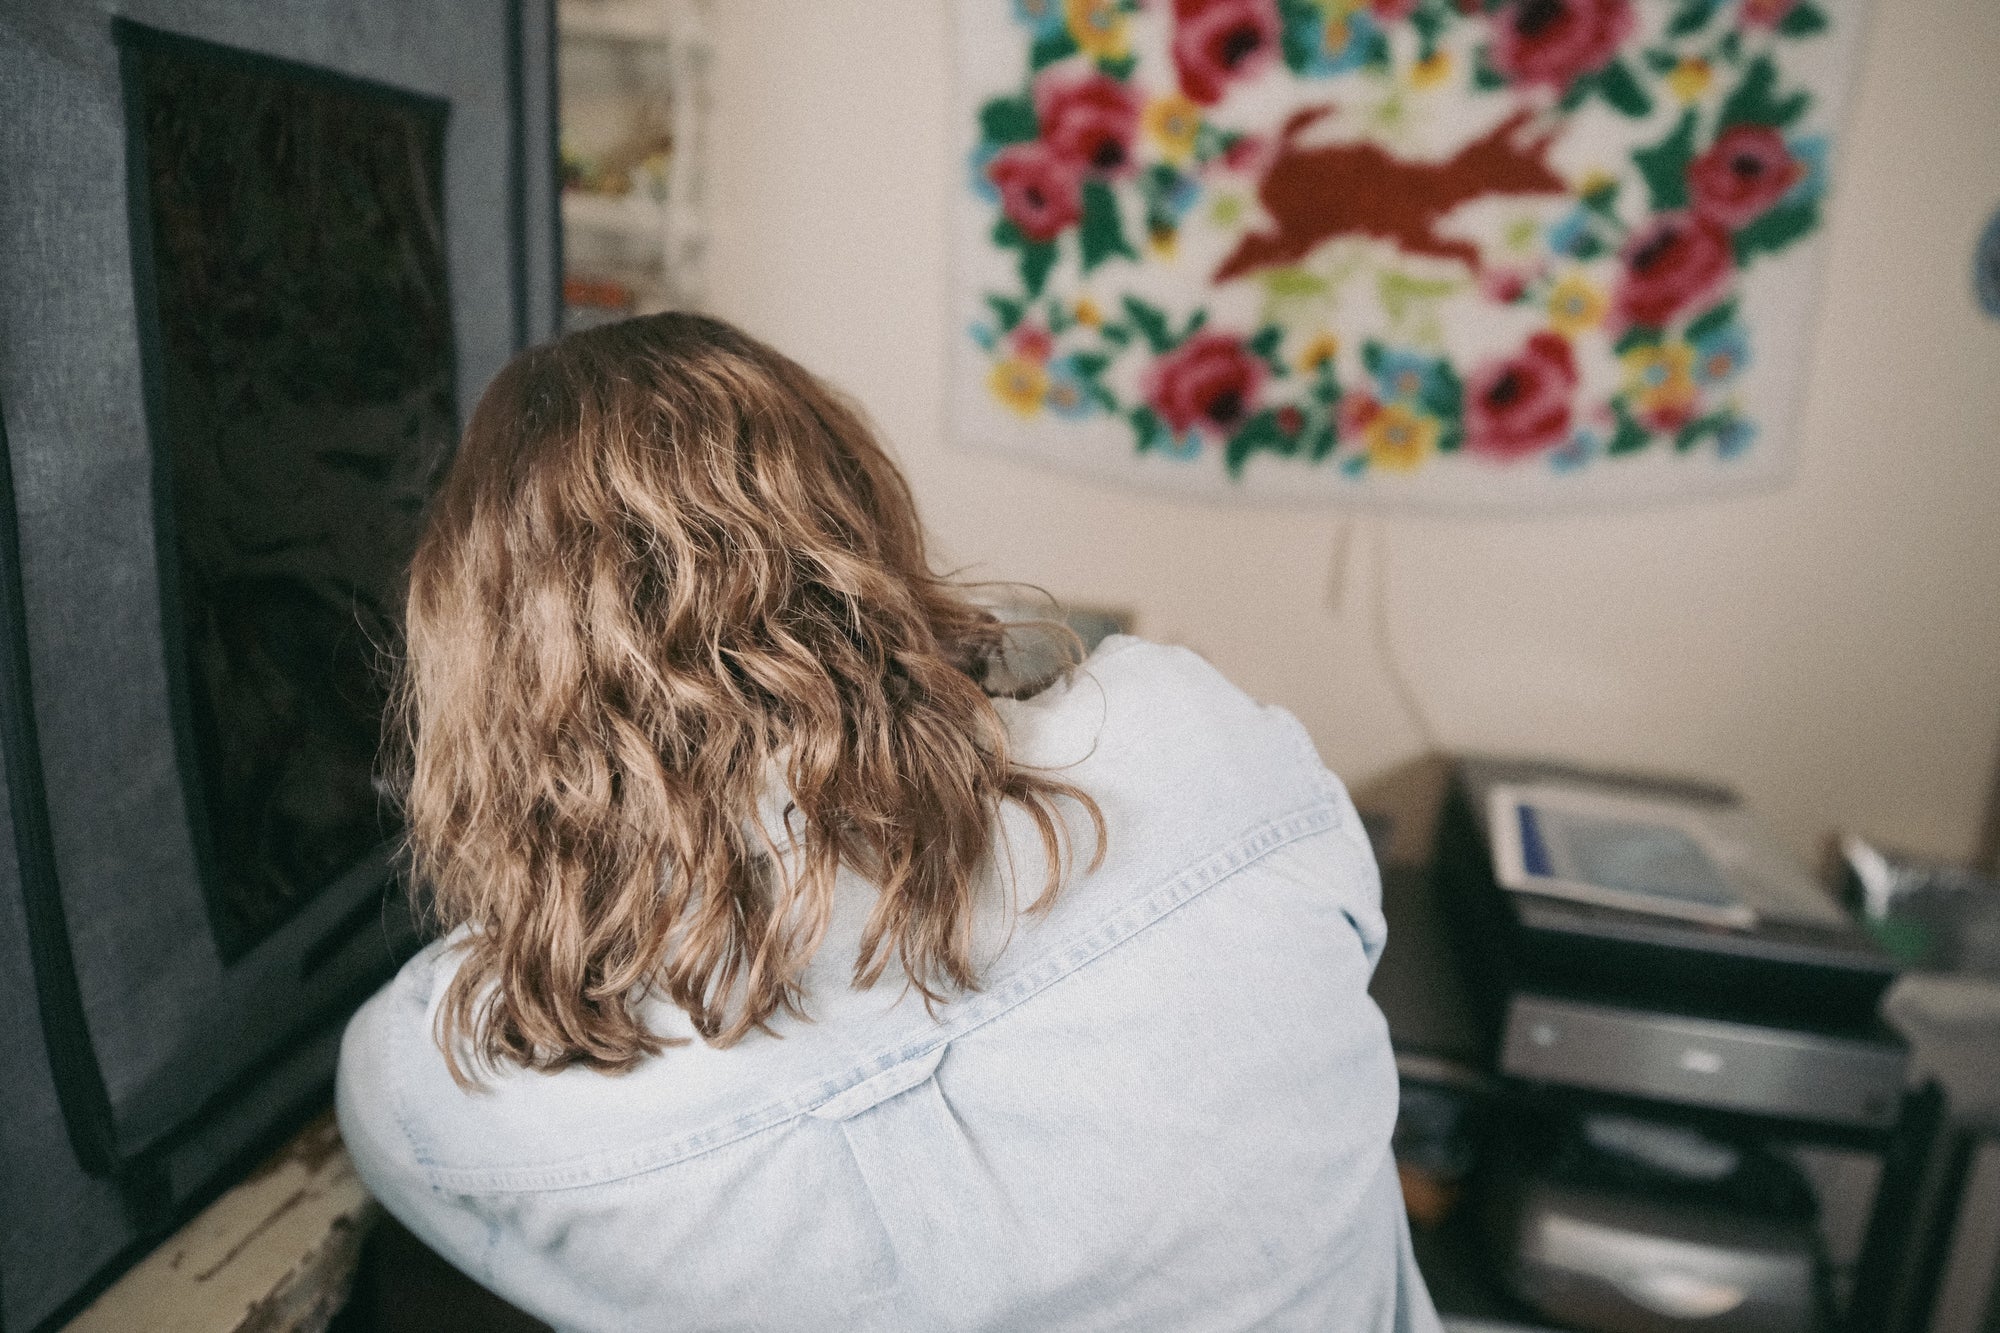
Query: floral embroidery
[1119, 151]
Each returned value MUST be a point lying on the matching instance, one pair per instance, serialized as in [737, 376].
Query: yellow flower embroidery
[1019, 384]
[1164, 242]
[1576, 306]
[1322, 349]
[1098, 27]
[1690, 79]
[1660, 378]
[1596, 182]
[1174, 123]
[1087, 313]
[1431, 71]
[1399, 439]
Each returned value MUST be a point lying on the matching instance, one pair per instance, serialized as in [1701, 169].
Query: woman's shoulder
[1192, 775]
[1155, 716]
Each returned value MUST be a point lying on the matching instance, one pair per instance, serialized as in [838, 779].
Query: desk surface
[276, 1254]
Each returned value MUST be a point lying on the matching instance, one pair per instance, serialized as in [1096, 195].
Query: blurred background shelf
[633, 99]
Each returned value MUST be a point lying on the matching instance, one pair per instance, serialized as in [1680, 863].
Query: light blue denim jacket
[1168, 1107]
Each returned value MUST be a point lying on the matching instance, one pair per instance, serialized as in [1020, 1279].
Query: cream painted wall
[1833, 648]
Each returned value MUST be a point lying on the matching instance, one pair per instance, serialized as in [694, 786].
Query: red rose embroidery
[1033, 343]
[1209, 382]
[1669, 416]
[1520, 405]
[1391, 10]
[1678, 260]
[1088, 121]
[1039, 192]
[1357, 412]
[1219, 41]
[1742, 174]
[1766, 13]
[1555, 42]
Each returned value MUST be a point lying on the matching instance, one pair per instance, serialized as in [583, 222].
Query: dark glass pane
[302, 364]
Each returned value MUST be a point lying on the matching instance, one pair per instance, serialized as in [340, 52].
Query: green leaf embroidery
[1006, 120]
[1301, 21]
[1660, 60]
[1755, 101]
[1636, 337]
[1429, 24]
[1631, 436]
[1452, 439]
[1371, 356]
[1006, 311]
[1194, 323]
[1695, 431]
[1665, 165]
[1713, 322]
[1776, 230]
[1147, 426]
[1119, 69]
[1115, 334]
[1573, 95]
[1056, 46]
[1151, 324]
[1089, 364]
[1037, 258]
[1265, 345]
[1259, 432]
[1321, 442]
[1602, 199]
[1691, 17]
[1326, 389]
[1376, 56]
[1484, 76]
[1444, 395]
[1804, 20]
[1103, 232]
[1587, 246]
[1622, 90]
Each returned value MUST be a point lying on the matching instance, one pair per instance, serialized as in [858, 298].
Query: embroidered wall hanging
[1444, 253]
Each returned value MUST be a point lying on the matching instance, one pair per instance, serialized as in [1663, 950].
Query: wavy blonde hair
[667, 566]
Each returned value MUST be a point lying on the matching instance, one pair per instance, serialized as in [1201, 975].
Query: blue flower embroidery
[1721, 355]
[1360, 42]
[1044, 18]
[1580, 449]
[1069, 393]
[1734, 437]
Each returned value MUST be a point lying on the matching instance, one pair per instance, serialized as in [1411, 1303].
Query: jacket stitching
[966, 1016]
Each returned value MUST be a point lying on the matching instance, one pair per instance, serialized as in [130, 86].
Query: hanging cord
[1381, 630]
[1336, 572]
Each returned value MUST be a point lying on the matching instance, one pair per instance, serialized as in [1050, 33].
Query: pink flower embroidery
[1217, 42]
[1521, 405]
[1208, 383]
[1040, 193]
[1556, 42]
[1743, 173]
[1088, 121]
[1673, 263]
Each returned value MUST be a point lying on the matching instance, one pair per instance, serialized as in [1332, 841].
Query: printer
[1649, 939]
[1671, 999]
